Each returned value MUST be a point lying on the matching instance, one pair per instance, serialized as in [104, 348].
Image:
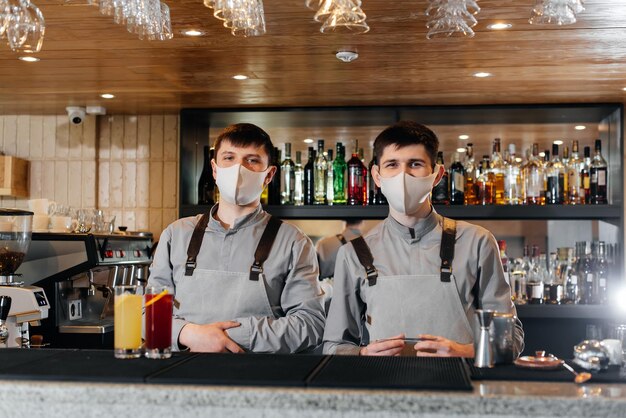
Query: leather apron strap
[446, 252]
[366, 259]
[341, 238]
[264, 247]
[195, 243]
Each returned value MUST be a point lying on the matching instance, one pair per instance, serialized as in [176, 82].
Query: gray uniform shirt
[398, 250]
[291, 273]
[327, 249]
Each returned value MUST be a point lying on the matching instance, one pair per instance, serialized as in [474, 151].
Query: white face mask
[406, 193]
[239, 185]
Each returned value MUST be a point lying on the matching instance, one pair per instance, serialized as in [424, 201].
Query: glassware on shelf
[298, 188]
[288, 183]
[321, 174]
[339, 176]
[457, 181]
[598, 177]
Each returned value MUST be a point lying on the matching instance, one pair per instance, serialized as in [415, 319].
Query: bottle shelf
[607, 312]
[611, 213]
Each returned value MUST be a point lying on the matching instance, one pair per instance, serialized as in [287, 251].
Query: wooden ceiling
[85, 54]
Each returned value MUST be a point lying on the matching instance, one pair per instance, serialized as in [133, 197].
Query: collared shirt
[328, 247]
[291, 273]
[399, 250]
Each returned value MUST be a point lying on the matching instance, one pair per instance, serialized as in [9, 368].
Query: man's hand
[388, 347]
[209, 338]
[435, 346]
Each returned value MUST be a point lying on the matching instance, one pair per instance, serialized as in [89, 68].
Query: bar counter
[64, 383]
[55, 399]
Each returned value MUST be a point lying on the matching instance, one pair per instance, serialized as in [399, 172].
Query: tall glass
[127, 326]
[158, 325]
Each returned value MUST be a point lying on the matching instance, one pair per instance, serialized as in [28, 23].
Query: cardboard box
[14, 176]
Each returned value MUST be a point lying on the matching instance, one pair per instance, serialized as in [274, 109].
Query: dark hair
[405, 133]
[243, 135]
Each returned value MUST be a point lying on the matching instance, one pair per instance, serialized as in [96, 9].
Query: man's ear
[270, 175]
[214, 168]
[376, 174]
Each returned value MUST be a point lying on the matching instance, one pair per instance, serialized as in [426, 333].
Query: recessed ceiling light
[499, 26]
[542, 154]
[557, 142]
[240, 77]
[580, 127]
[308, 141]
[482, 74]
[463, 137]
[192, 32]
[624, 89]
[460, 150]
[107, 96]
[518, 160]
[28, 58]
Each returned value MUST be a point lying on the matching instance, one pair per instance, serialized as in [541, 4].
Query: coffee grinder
[28, 304]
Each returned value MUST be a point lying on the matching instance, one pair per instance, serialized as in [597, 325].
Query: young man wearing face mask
[416, 275]
[244, 281]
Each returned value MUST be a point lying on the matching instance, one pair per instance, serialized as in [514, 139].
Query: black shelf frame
[604, 312]
[608, 213]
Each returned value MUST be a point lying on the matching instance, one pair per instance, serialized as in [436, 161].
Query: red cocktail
[158, 315]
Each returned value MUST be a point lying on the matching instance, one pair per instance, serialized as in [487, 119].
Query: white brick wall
[125, 165]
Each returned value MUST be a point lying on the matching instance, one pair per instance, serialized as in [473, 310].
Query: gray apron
[206, 296]
[415, 304]
[214, 296]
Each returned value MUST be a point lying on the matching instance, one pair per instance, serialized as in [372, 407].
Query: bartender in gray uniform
[243, 280]
[416, 275]
[328, 247]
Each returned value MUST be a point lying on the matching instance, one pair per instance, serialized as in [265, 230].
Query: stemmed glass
[447, 17]
[557, 12]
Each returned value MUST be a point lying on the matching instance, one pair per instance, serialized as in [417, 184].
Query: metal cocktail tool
[5, 307]
[483, 351]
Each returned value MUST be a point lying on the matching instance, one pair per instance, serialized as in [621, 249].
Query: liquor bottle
[287, 185]
[330, 196]
[374, 195]
[602, 272]
[356, 180]
[457, 181]
[496, 166]
[544, 162]
[440, 191]
[339, 176]
[588, 276]
[484, 187]
[533, 177]
[570, 277]
[365, 175]
[555, 178]
[298, 188]
[321, 174]
[565, 161]
[574, 184]
[525, 269]
[309, 179]
[534, 282]
[470, 175]
[585, 177]
[598, 175]
[206, 183]
[512, 178]
[273, 189]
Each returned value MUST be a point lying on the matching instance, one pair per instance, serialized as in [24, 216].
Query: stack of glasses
[23, 24]
[340, 16]
[149, 19]
[242, 17]
[447, 17]
[556, 12]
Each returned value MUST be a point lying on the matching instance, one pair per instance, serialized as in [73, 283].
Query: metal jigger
[5, 307]
[483, 351]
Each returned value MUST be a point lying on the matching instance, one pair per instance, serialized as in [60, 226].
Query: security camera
[76, 114]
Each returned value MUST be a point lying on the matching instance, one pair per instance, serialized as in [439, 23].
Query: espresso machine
[79, 273]
[25, 305]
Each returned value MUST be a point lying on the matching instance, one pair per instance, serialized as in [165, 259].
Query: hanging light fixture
[339, 16]
[556, 12]
[23, 25]
[242, 17]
